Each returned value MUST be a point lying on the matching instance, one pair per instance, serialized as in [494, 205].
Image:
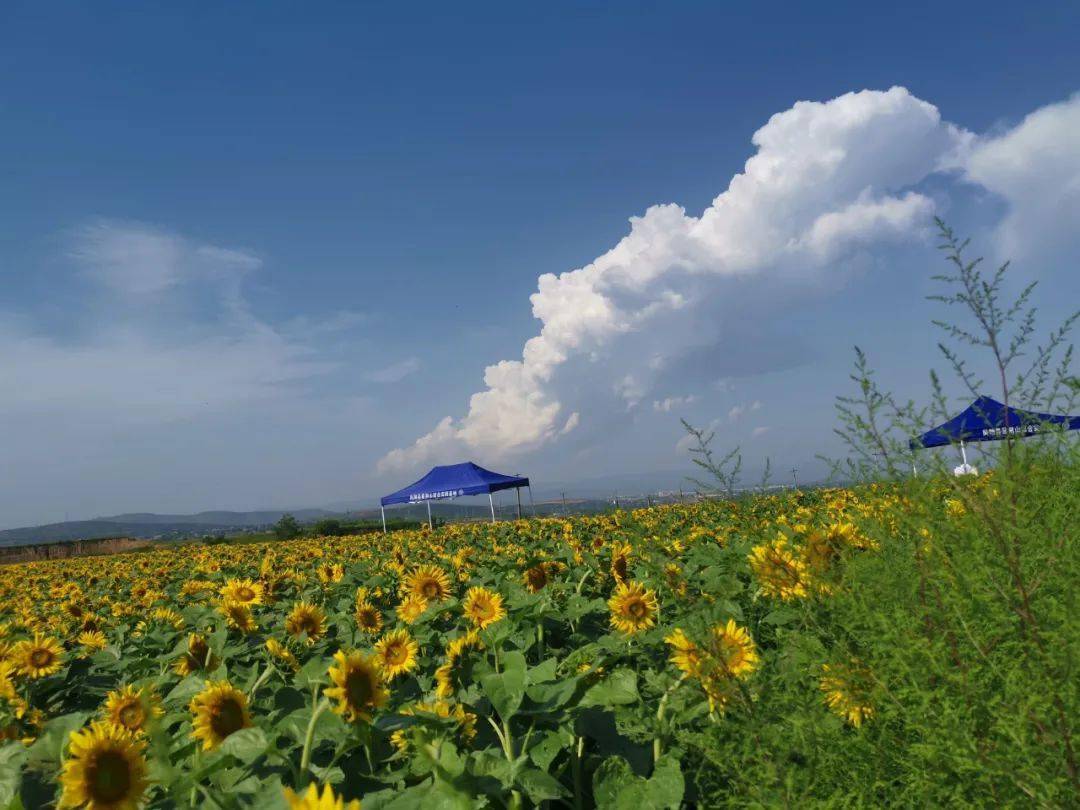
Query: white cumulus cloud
[1035, 167]
[829, 182]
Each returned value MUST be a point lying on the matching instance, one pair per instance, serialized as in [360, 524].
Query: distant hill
[588, 495]
[147, 525]
[222, 518]
[150, 526]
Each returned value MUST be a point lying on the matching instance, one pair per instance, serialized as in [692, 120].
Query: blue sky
[249, 252]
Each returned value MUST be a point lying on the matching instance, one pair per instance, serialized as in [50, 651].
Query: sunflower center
[131, 715]
[41, 658]
[227, 718]
[245, 594]
[358, 688]
[637, 609]
[430, 590]
[396, 654]
[109, 777]
[537, 579]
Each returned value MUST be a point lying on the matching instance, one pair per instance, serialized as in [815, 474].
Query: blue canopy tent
[455, 481]
[987, 420]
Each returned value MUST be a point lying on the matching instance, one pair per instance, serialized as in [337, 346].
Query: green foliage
[287, 527]
[327, 527]
[906, 641]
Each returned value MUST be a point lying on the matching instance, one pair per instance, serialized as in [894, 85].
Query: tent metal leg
[963, 452]
[518, 491]
[491, 501]
[429, 524]
[383, 510]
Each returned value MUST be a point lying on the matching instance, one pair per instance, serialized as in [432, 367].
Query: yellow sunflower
[358, 688]
[955, 508]
[238, 616]
[465, 729]
[848, 691]
[685, 654]
[243, 592]
[133, 708]
[104, 770]
[412, 607]
[218, 711]
[719, 690]
[168, 616]
[620, 562]
[312, 800]
[633, 608]
[92, 640]
[368, 617]
[331, 573]
[779, 572]
[196, 587]
[731, 650]
[306, 619]
[282, 653]
[7, 684]
[448, 677]
[536, 578]
[198, 657]
[38, 657]
[483, 607]
[397, 653]
[429, 582]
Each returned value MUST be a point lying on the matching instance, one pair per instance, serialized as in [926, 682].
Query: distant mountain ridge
[149, 525]
[587, 494]
[222, 517]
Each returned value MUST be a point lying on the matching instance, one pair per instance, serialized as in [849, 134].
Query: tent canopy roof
[454, 481]
[986, 420]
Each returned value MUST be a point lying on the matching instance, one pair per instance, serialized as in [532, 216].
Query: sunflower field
[828, 647]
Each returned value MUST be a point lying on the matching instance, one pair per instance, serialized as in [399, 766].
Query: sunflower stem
[508, 742]
[317, 708]
[261, 680]
[581, 583]
[194, 771]
[575, 765]
[657, 745]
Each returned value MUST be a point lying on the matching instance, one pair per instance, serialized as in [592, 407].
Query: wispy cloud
[170, 335]
[738, 411]
[394, 373]
[136, 260]
[669, 404]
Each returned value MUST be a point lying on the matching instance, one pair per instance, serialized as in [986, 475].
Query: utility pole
[795, 476]
[563, 503]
